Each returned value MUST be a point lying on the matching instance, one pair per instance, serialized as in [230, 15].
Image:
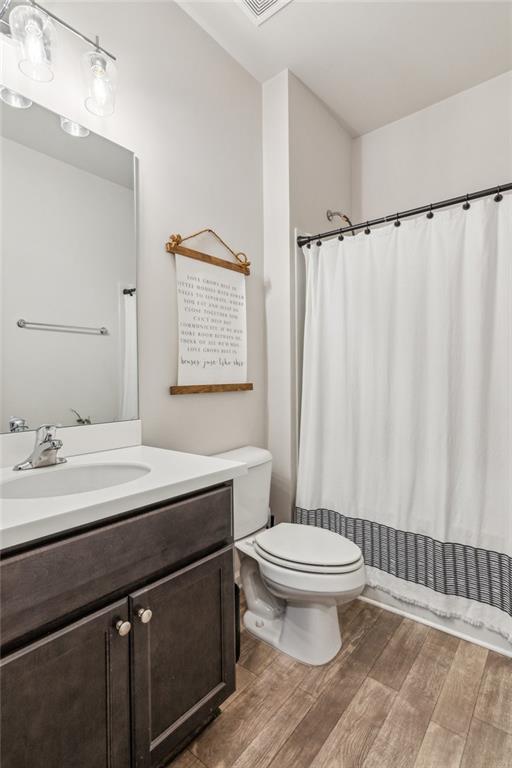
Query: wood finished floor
[398, 695]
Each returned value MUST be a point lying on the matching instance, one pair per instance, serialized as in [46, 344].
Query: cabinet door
[183, 657]
[65, 699]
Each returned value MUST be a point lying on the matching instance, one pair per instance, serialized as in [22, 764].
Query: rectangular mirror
[68, 298]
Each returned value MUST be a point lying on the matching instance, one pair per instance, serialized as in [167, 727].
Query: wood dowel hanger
[241, 263]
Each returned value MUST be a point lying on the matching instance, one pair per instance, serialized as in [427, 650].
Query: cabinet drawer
[43, 585]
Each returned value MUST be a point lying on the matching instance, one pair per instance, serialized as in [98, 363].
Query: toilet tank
[251, 492]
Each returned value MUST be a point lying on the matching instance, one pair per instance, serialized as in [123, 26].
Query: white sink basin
[62, 481]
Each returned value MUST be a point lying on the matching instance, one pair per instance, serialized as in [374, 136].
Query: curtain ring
[340, 237]
[397, 221]
[430, 214]
[498, 197]
[367, 230]
[319, 242]
[308, 245]
[466, 205]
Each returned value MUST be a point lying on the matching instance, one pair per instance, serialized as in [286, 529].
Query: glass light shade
[100, 75]
[74, 129]
[14, 99]
[35, 33]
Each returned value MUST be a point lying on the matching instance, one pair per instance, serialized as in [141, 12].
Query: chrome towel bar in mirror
[59, 327]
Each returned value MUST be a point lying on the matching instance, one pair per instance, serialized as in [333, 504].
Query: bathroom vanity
[118, 633]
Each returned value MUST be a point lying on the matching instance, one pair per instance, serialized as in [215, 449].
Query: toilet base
[306, 631]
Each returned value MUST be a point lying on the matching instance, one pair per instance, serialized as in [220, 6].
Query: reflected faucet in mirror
[17, 424]
[44, 453]
[80, 419]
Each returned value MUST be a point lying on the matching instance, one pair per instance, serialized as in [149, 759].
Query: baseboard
[471, 635]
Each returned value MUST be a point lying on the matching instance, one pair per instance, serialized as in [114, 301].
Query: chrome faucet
[45, 449]
[17, 424]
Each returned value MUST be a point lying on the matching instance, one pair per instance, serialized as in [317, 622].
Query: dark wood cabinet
[183, 657]
[84, 691]
[66, 697]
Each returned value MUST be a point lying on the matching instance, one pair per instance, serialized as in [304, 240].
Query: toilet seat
[307, 582]
[308, 549]
[303, 568]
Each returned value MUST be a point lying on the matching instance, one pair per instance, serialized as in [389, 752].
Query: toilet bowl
[293, 576]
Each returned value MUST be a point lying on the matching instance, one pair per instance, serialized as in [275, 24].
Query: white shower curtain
[129, 390]
[406, 417]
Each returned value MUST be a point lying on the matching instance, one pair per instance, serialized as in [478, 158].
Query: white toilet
[293, 576]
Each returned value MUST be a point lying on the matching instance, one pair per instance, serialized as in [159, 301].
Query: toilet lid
[307, 545]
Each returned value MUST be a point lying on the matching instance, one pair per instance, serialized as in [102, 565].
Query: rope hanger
[177, 240]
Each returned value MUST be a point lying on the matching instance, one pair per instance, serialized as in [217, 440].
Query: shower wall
[459, 145]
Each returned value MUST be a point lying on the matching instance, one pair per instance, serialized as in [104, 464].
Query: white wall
[56, 270]
[459, 145]
[192, 115]
[276, 186]
[306, 160]
[320, 161]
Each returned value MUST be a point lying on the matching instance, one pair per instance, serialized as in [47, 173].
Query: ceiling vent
[261, 10]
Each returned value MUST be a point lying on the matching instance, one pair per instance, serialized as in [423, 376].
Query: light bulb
[34, 47]
[34, 31]
[14, 99]
[101, 90]
[99, 74]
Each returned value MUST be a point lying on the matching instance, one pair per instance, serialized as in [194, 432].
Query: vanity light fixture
[14, 99]
[33, 29]
[74, 129]
[100, 77]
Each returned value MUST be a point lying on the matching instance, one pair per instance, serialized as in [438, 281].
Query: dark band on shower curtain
[452, 569]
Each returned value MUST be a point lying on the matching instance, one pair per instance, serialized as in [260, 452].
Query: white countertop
[171, 474]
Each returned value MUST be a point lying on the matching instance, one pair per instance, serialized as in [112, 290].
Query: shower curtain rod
[306, 240]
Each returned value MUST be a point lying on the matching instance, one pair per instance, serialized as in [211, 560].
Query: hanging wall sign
[212, 324]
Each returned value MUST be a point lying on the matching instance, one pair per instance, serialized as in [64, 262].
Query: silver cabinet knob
[145, 615]
[123, 628]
